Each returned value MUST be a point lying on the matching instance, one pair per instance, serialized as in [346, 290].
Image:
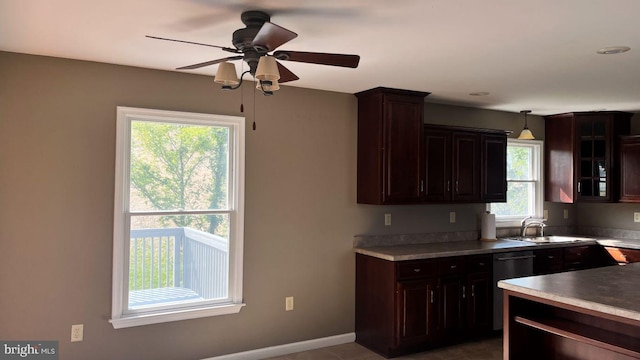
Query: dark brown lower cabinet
[417, 319]
[432, 302]
[479, 304]
[585, 257]
[547, 261]
[452, 293]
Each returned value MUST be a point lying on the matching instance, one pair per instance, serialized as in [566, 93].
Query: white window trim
[511, 221]
[120, 318]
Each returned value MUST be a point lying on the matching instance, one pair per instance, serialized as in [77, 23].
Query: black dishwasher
[508, 266]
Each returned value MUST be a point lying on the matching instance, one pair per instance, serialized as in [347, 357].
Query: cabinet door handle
[421, 185]
[448, 185]
[432, 296]
[457, 187]
[579, 187]
[464, 291]
[473, 291]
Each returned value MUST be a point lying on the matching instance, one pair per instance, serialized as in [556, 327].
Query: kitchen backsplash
[436, 237]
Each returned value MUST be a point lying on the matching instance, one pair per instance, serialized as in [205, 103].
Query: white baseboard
[288, 348]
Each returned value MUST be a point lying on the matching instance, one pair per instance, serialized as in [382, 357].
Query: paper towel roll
[488, 226]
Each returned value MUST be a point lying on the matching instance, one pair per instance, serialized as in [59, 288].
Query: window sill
[173, 315]
[500, 224]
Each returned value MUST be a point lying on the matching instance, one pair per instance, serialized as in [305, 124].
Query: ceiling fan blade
[271, 36]
[195, 43]
[319, 58]
[285, 74]
[207, 63]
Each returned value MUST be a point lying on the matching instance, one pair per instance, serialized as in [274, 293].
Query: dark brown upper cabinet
[452, 169]
[630, 169]
[465, 164]
[403, 161]
[494, 167]
[581, 161]
[390, 163]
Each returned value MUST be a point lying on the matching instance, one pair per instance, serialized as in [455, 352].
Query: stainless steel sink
[549, 239]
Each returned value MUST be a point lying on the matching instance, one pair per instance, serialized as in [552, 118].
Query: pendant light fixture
[526, 134]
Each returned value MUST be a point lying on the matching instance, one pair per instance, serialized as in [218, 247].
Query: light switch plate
[636, 217]
[566, 213]
[387, 219]
[452, 217]
[545, 214]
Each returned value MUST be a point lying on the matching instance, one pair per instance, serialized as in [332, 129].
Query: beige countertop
[432, 250]
[611, 290]
[621, 243]
[443, 249]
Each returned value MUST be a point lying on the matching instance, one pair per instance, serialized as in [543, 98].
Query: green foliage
[179, 167]
[519, 194]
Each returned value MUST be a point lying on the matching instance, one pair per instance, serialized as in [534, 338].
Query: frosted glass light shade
[267, 69]
[226, 74]
[273, 87]
[526, 134]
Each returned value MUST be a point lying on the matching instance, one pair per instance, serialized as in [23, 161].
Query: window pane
[178, 166]
[178, 259]
[519, 161]
[520, 200]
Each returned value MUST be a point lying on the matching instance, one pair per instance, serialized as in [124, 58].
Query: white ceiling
[538, 55]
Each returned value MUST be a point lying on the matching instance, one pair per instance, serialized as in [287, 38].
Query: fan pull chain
[254, 108]
[242, 91]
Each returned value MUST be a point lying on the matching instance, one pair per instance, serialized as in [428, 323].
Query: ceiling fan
[253, 44]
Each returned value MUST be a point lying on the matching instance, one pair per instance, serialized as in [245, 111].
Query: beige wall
[57, 142]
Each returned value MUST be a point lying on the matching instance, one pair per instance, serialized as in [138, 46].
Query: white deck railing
[176, 258]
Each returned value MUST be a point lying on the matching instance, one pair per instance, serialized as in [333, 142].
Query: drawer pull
[416, 270]
[550, 256]
[481, 264]
[454, 266]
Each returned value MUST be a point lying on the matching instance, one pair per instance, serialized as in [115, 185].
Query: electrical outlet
[636, 217]
[77, 332]
[288, 303]
[452, 217]
[387, 219]
[566, 213]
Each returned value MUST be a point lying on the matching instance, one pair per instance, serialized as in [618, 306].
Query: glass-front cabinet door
[594, 158]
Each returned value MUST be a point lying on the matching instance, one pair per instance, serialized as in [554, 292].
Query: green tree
[180, 167]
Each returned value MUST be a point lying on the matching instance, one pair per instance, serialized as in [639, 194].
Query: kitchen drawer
[547, 261]
[416, 269]
[576, 254]
[624, 256]
[452, 265]
[480, 264]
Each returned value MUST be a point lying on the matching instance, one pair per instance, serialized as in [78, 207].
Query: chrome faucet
[524, 225]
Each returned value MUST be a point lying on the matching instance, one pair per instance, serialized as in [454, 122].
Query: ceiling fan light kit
[253, 44]
[226, 74]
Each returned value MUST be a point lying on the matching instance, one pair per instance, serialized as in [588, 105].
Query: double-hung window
[524, 183]
[178, 216]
